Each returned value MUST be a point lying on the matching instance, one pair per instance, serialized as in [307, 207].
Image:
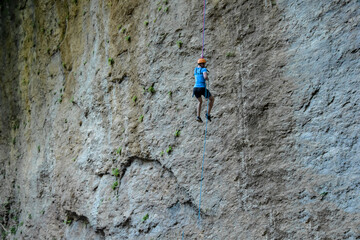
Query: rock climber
[201, 75]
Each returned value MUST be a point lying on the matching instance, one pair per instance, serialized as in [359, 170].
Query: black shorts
[201, 91]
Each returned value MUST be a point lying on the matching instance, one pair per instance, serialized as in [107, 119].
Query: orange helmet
[201, 60]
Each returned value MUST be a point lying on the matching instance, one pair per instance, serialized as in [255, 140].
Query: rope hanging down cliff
[206, 97]
[203, 37]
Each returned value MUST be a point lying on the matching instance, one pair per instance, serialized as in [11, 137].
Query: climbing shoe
[208, 117]
[199, 119]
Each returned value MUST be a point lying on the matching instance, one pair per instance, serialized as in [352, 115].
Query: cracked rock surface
[93, 92]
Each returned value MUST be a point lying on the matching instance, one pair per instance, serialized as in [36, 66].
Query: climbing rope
[203, 160]
[207, 112]
[203, 37]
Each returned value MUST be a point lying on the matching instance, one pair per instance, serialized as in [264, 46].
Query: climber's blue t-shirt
[199, 77]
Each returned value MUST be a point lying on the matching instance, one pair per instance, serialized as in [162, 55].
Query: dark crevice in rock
[5, 212]
[331, 101]
[100, 174]
[100, 231]
[126, 223]
[267, 106]
[152, 225]
[121, 53]
[124, 77]
[22, 5]
[73, 216]
[313, 94]
[355, 50]
[346, 103]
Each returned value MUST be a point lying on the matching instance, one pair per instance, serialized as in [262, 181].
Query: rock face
[92, 93]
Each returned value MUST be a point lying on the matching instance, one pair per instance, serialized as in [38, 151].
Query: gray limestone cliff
[93, 92]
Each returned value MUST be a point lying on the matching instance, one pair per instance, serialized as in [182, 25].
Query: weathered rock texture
[282, 154]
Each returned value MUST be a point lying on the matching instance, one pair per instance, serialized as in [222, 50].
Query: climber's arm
[205, 74]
